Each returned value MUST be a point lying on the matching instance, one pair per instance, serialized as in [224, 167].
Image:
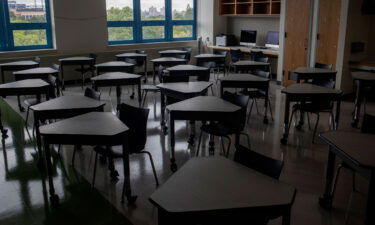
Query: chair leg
[333, 120]
[229, 145]
[256, 105]
[74, 155]
[251, 109]
[27, 115]
[144, 98]
[248, 139]
[316, 127]
[222, 146]
[94, 174]
[270, 108]
[308, 120]
[58, 149]
[291, 118]
[153, 166]
[336, 179]
[199, 144]
[353, 181]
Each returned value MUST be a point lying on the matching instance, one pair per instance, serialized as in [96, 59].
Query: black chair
[263, 164]
[136, 120]
[232, 126]
[254, 55]
[316, 107]
[235, 56]
[188, 53]
[36, 59]
[368, 127]
[85, 69]
[323, 66]
[221, 65]
[258, 94]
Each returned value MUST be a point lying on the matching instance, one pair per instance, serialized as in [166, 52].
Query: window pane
[29, 37]
[152, 9]
[182, 9]
[120, 10]
[153, 32]
[182, 31]
[27, 11]
[120, 33]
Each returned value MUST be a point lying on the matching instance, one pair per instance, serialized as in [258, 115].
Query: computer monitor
[248, 37]
[272, 39]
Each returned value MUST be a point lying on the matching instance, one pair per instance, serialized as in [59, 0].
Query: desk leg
[38, 142]
[370, 217]
[53, 197]
[357, 104]
[2, 76]
[211, 145]
[22, 109]
[145, 62]
[284, 139]
[221, 89]
[326, 200]
[139, 93]
[265, 119]
[337, 117]
[127, 187]
[172, 142]
[192, 132]
[287, 216]
[3, 130]
[62, 77]
[153, 73]
[118, 94]
[164, 128]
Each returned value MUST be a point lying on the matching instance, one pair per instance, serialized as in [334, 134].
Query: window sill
[135, 46]
[26, 53]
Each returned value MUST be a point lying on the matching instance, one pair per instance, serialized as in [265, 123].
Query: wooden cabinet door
[328, 31]
[297, 36]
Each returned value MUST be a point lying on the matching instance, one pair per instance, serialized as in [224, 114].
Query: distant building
[25, 11]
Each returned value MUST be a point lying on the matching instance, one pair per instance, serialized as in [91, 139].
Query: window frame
[168, 24]
[7, 28]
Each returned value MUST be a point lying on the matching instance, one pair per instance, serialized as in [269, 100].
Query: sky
[146, 4]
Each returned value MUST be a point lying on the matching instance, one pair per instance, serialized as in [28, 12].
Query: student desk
[117, 80]
[167, 62]
[362, 80]
[201, 108]
[216, 190]
[308, 73]
[308, 92]
[172, 53]
[246, 81]
[24, 87]
[357, 151]
[36, 73]
[248, 65]
[75, 61]
[202, 73]
[95, 128]
[114, 66]
[137, 57]
[15, 66]
[60, 108]
[180, 91]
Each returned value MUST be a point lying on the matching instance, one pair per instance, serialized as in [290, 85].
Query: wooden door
[328, 31]
[297, 36]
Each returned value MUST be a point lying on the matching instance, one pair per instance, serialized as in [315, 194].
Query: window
[139, 21]
[25, 24]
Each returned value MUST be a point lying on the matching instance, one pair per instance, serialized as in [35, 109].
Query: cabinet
[250, 7]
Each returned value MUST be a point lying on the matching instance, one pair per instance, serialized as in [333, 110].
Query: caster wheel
[325, 202]
[283, 141]
[55, 201]
[131, 199]
[173, 167]
[265, 121]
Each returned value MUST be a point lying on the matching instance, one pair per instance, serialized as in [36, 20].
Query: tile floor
[24, 190]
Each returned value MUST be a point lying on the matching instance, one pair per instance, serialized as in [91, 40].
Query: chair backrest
[262, 59]
[91, 93]
[255, 55]
[136, 120]
[261, 73]
[220, 52]
[140, 51]
[56, 67]
[132, 61]
[52, 80]
[235, 55]
[241, 101]
[261, 163]
[138, 62]
[180, 56]
[368, 124]
[174, 79]
[36, 59]
[323, 66]
[188, 53]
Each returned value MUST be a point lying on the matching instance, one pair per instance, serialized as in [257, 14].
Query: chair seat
[254, 93]
[218, 129]
[150, 88]
[30, 101]
[313, 107]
